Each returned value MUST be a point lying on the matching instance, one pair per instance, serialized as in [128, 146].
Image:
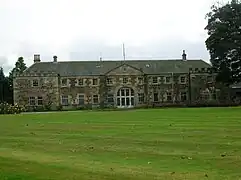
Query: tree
[224, 41]
[20, 66]
[2, 84]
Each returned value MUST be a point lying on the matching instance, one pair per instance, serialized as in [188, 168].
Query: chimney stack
[36, 58]
[184, 55]
[55, 58]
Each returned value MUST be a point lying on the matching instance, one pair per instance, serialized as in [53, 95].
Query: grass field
[191, 144]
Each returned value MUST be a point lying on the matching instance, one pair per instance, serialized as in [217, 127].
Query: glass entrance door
[125, 98]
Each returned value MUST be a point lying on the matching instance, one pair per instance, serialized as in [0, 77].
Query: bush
[59, 108]
[6, 108]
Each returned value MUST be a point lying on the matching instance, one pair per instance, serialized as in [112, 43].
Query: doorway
[125, 98]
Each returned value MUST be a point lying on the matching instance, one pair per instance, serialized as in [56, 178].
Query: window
[125, 80]
[95, 82]
[183, 79]
[141, 98]
[167, 79]
[118, 101]
[110, 98]
[155, 97]
[32, 101]
[132, 92]
[64, 82]
[154, 80]
[214, 95]
[169, 96]
[183, 96]
[205, 95]
[65, 100]
[95, 99]
[35, 83]
[81, 82]
[81, 99]
[109, 81]
[140, 80]
[209, 79]
[40, 101]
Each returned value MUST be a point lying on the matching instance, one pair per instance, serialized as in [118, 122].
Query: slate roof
[78, 68]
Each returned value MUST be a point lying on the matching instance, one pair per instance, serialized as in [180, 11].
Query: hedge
[6, 108]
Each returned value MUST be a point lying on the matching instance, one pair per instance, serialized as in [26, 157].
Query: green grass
[120, 145]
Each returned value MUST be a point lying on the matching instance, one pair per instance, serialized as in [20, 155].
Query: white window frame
[81, 82]
[82, 98]
[154, 80]
[109, 81]
[170, 80]
[32, 99]
[93, 80]
[94, 97]
[35, 83]
[64, 84]
[169, 94]
[66, 98]
[185, 79]
[110, 98]
[140, 80]
[182, 94]
[125, 80]
[141, 98]
[39, 99]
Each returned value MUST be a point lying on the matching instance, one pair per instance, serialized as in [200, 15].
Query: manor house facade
[121, 84]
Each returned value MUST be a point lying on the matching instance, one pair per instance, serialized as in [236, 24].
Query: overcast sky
[86, 29]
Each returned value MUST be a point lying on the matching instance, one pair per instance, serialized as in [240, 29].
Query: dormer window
[35, 83]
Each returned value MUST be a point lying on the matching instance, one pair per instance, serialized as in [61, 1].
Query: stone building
[122, 84]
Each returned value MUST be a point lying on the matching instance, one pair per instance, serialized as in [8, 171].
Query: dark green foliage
[224, 41]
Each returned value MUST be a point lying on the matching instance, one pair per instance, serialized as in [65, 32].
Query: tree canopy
[224, 41]
[6, 83]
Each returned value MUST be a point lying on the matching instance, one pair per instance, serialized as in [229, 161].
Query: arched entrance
[125, 98]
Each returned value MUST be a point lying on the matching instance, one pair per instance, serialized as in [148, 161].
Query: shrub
[6, 108]
[59, 108]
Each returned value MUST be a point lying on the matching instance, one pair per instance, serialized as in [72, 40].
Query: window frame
[66, 98]
[35, 83]
[125, 80]
[64, 84]
[95, 81]
[141, 98]
[40, 99]
[82, 98]
[32, 99]
[95, 97]
[154, 80]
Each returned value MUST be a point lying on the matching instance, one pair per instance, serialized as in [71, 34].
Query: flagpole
[124, 53]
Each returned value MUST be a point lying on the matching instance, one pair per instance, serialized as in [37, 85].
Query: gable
[125, 69]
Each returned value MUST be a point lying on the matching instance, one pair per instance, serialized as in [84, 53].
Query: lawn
[191, 144]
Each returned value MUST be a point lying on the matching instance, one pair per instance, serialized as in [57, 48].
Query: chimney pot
[55, 58]
[184, 55]
[36, 58]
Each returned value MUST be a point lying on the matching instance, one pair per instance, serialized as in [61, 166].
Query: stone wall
[51, 88]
